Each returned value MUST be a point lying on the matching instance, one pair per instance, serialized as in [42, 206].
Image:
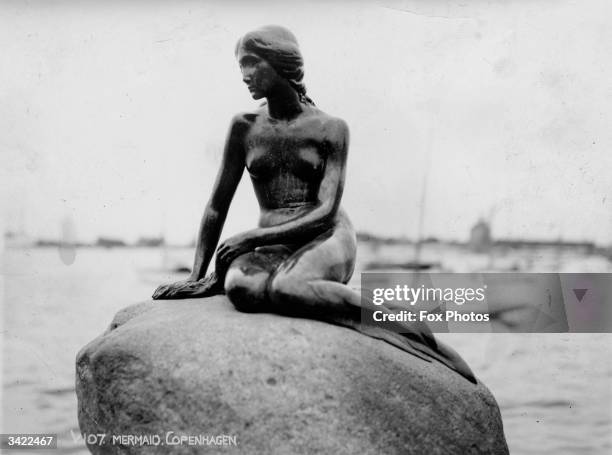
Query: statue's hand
[190, 288]
[231, 248]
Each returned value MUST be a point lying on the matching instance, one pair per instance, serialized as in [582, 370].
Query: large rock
[279, 385]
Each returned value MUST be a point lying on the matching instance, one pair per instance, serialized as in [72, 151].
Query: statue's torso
[286, 161]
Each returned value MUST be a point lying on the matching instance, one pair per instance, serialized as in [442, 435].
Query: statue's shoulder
[242, 124]
[334, 127]
[329, 122]
[246, 119]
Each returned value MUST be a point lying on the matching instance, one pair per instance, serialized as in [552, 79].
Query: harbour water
[554, 390]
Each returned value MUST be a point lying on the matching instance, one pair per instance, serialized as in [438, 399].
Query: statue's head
[268, 56]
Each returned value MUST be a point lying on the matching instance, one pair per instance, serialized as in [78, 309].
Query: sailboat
[416, 264]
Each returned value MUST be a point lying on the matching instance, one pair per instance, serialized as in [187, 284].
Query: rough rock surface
[280, 385]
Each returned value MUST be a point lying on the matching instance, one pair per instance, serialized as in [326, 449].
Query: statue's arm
[228, 177]
[312, 223]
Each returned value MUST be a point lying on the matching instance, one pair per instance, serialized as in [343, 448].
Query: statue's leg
[247, 277]
[310, 283]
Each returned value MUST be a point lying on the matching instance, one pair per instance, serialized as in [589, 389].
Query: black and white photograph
[309, 227]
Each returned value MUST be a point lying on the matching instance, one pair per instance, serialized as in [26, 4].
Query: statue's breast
[277, 158]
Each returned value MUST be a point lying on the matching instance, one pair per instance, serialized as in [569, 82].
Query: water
[554, 390]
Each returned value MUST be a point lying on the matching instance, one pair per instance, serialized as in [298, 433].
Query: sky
[113, 114]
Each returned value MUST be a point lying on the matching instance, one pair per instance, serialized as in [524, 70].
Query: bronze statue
[299, 259]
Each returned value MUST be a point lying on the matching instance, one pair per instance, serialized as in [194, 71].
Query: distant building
[556, 245]
[150, 241]
[480, 237]
[109, 242]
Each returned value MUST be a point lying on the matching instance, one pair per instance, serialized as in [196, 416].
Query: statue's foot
[206, 287]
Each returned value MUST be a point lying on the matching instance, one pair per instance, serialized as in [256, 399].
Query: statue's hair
[279, 47]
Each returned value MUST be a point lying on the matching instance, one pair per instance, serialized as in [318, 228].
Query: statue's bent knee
[246, 293]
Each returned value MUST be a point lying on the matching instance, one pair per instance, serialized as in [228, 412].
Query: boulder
[230, 382]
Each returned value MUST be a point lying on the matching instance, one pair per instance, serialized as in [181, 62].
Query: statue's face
[257, 74]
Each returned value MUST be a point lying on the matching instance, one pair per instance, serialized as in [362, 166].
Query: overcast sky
[113, 114]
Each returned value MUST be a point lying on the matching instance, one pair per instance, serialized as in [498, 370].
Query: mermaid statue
[300, 257]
